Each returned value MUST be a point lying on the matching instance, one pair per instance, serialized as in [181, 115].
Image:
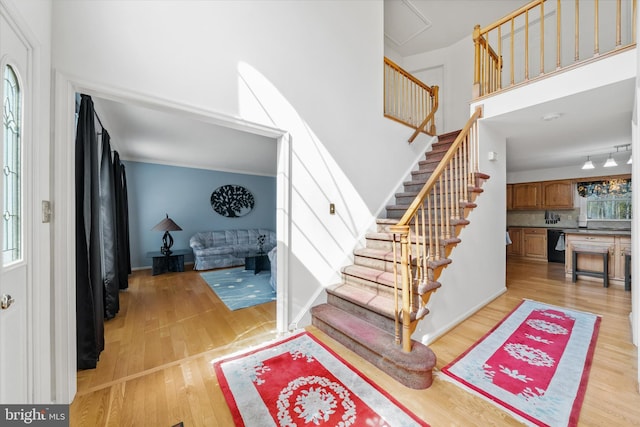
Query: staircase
[361, 313]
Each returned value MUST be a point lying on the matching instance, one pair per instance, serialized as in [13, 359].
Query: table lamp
[166, 225]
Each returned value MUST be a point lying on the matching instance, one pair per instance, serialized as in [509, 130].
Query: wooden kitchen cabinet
[617, 246]
[535, 243]
[540, 195]
[557, 194]
[515, 248]
[528, 242]
[622, 247]
[527, 195]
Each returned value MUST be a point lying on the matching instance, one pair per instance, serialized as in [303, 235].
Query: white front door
[15, 217]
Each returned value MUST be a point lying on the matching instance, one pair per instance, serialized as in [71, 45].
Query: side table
[257, 263]
[174, 262]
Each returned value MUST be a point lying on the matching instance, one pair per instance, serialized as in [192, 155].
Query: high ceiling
[411, 26]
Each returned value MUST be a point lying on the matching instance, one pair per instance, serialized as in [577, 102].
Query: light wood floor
[157, 368]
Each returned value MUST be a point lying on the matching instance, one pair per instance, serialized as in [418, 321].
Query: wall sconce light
[166, 225]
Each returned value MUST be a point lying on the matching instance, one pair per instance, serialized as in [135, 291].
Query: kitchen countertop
[600, 232]
[593, 231]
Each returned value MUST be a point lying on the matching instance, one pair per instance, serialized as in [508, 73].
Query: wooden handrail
[432, 214]
[411, 211]
[406, 74]
[511, 16]
[408, 100]
[488, 64]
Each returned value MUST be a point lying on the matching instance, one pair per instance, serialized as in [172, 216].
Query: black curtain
[108, 222]
[102, 235]
[89, 288]
[122, 222]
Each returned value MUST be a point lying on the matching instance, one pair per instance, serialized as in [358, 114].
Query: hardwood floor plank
[157, 368]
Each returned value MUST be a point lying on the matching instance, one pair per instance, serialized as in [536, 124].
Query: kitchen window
[609, 199]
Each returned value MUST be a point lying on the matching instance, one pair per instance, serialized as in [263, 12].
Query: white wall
[312, 68]
[456, 64]
[477, 274]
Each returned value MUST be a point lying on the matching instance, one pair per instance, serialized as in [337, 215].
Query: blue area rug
[239, 288]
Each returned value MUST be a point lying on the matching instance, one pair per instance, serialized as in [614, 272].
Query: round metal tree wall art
[232, 201]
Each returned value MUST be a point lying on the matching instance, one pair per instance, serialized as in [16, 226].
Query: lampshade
[588, 164]
[630, 161]
[166, 224]
[610, 162]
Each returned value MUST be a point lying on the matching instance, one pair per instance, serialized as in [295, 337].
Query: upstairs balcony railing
[408, 100]
[545, 36]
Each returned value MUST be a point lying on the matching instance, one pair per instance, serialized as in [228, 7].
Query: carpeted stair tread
[386, 221]
[449, 136]
[381, 277]
[413, 369]
[414, 194]
[381, 254]
[439, 147]
[386, 255]
[364, 297]
[387, 237]
[377, 235]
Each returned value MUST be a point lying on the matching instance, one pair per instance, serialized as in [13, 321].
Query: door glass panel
[11, 170]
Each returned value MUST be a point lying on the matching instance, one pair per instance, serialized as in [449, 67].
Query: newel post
[434, 106]
[476, 62]
[403, 231]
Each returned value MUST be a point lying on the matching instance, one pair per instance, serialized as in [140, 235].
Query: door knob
[6, 301]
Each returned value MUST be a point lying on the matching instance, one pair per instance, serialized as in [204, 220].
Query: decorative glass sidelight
[11, 169]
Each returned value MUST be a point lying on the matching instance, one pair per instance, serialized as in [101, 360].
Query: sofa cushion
[223, 250]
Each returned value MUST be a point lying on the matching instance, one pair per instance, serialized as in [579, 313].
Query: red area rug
[300, 382]
[535, 363]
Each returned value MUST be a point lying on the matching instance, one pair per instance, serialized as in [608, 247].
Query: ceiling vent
[403, 21]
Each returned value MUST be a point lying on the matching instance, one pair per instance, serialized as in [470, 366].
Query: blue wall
[184, 193]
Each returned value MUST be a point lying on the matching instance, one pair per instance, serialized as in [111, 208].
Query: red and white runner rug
[535, 363]
[300, 382]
